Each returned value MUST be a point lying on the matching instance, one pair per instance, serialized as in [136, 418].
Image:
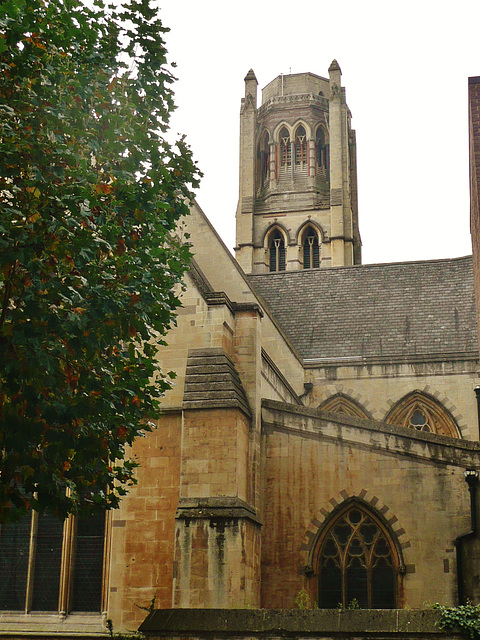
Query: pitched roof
[408, 311]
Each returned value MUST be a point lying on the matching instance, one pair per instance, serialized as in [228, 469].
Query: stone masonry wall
[414, 482]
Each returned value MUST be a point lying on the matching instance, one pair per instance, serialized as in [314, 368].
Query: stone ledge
[226, 508]
[266, 623]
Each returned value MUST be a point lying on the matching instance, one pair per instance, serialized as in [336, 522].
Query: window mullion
[31, 561]
[66, 566]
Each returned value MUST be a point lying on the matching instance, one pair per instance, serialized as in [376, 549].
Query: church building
[323, 417]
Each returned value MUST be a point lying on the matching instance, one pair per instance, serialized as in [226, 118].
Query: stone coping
[317, 623]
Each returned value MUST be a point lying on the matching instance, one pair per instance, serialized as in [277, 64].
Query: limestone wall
[414, 482]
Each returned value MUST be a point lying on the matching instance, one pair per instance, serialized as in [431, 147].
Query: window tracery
[285, 148]
[301, 147]
[311, 249]
[277, 251]
[422, 412]
[323, 152]
[263, 160]
[357, 562]
[340, 403]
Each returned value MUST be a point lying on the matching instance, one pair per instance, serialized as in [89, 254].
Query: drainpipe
[471, 478]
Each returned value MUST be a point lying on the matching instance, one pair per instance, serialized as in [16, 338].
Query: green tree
[90, 265]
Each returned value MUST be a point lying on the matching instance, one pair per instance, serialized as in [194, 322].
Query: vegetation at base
[302, 601]
[465, 618]
[91, 193]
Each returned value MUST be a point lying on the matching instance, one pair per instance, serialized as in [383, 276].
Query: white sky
[405, 66]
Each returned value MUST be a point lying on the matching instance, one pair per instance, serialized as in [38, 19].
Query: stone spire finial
[333, 67]
[251, 87]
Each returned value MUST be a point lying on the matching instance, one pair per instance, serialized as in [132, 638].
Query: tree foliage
[90, 194]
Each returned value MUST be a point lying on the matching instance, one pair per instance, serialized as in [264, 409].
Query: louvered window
[277, 252]
[301, 147]
[285, 148]
[311, 250]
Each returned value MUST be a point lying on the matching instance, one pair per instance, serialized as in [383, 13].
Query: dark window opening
[14, 553]
[88, 564]
[48, 558]
[301, 147]
[277, 252]
[356, 564]
[311, 250]
[263, 160]
[323, 152]
[36, 551]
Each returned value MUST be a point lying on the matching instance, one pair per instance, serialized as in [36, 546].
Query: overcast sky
[405, 67]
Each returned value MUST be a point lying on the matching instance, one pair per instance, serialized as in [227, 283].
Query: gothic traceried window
[285, 148]
[301, 147]
[340, 403]
[49, 565]
[323, 153]
[311, 249]
[357, 564]
[419, 420]
[277, 251]
[423, 412]
[263, 160]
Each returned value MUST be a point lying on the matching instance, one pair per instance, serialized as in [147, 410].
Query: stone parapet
[268, 623]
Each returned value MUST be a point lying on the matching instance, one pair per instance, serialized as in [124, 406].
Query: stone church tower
[297, 205]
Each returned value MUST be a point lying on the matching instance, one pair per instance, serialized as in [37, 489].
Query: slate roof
[399, 312]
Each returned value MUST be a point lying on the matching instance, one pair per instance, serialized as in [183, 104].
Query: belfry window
[301, 147]
[263, 160]
[357, 564]
[277, 252]
[311, 249]
[50, 565]
[323, 151]
[285, 148]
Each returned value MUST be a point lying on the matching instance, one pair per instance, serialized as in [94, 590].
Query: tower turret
[297, 204]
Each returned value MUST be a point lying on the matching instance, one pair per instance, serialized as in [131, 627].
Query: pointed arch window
[340, 403]
[357, 563]
[277, 251]
[263, 159]
[285, 148]
[323, 152]
[423, 412]
[311, 249]
[301, 147]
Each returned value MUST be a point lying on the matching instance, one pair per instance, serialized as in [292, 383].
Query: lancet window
[323, 152]
[311, 249]
[357, 563]
[285, 148]
[50, 565]
[301, 145]
[277, 251]
[263, 159]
